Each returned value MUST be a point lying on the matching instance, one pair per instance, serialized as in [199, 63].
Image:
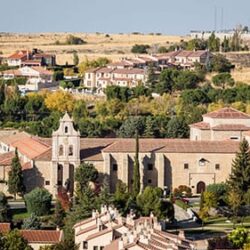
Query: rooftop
[227, 113]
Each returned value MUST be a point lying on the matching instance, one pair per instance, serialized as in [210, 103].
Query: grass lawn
[19, 214]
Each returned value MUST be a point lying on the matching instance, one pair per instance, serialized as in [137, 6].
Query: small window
[47, 183]
[150, 166]
[149, 181]
[70, 150]
[61, 150]
[234, 138]
[115, 167]
[95, 247]
[217, 166]
[101, 248]
[186, 166]
[202, 162]
[85, 244]
[66, 130]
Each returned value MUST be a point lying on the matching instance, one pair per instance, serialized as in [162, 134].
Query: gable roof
[227, 113]
[42, 236]
[19, 55]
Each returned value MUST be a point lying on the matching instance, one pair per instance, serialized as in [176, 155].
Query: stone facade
[203, 159]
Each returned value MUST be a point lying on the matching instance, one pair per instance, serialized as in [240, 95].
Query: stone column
[160, 167]
[125, 169]
[106, 167]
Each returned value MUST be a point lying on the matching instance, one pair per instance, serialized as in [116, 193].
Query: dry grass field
[113, 46]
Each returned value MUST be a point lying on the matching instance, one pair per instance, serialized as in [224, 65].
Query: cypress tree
[136, 171]
[239, 178]
[15, 181]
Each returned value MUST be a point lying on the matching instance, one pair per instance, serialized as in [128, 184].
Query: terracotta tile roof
[26, 165]
[231, 127]
[201, 125]
[122, 63]
[114, 245]
[104, 79]
[104, 70]
[4, 228]
[15, 136]
[129, 71]
[198, 53]
[171, 54]
[42, 236]
[43, 71]
[100, 233]
[31, 62]
[173, 146]
[6, 158]
[184, 53]
[19, 55]
[86, 230]
[30, 147]
[227, 113]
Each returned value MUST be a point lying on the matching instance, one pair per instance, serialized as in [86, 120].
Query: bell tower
[65, 153]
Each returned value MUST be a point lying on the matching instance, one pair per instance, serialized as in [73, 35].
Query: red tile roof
[4, 228]
[43, 71]
[231, 127]
[42, 236]
[6, 158]
[129, 71]
[201, 125]
[19, 55]
[227, 113]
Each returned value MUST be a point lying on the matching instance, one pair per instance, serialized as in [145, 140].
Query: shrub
[183, 190]
[73, 40]
[38, 201]
[140, 48]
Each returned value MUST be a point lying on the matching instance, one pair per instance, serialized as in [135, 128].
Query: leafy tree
[225, 45]
[75, 58]
[84, 174]
[151, 129]
[239, 178]
[31, 223]
[136, 187]
[14, 240]
[80, 110]
[4, 208]
[73, 40]
[121, 196]
[150, 201]
[59, 214]
[38, 201]
[131, 125]
[213, 43]
[162, 50]
[220, 63]
[59, 101]
[210, 200]
[105, 198]
[222, 80]
[234, 201]
[183, 190]
[196, 44]
[219, 190]
[247, 197]
[239, 237]
[186, 80]
[166, 81]
[140, 49]
[15, 181]
[177, 128]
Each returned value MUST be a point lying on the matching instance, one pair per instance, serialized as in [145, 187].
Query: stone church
[203, 159]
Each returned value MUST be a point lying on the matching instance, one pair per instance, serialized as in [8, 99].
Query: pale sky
[121, 16]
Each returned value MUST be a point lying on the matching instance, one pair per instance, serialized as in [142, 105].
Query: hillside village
[150, 151]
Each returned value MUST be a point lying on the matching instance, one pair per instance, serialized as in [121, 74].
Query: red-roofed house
[18, 57]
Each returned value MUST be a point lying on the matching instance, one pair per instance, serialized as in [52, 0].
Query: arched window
[61, 150]
[70, 150]
[66, 130]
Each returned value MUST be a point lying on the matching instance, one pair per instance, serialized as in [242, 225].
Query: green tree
[140, 49]
[150, 200]
[14, 240]
[31, 223]
[15, 181]
[220, 63]
[136, 170]
[213, 43]
[177, 128]
[4, 208]
[59, 214]
[75, 58]
[220, 191]
[239, 178]
[239, 237]
[38, 201]
[186, 80]
[222, 80]
[80, 110]
[84, 174]
[234, 201]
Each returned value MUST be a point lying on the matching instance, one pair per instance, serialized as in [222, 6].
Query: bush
[183, 190]
[38, 201]
[73, 40]
[140, 48]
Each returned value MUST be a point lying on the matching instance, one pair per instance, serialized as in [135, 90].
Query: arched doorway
[201, 186]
